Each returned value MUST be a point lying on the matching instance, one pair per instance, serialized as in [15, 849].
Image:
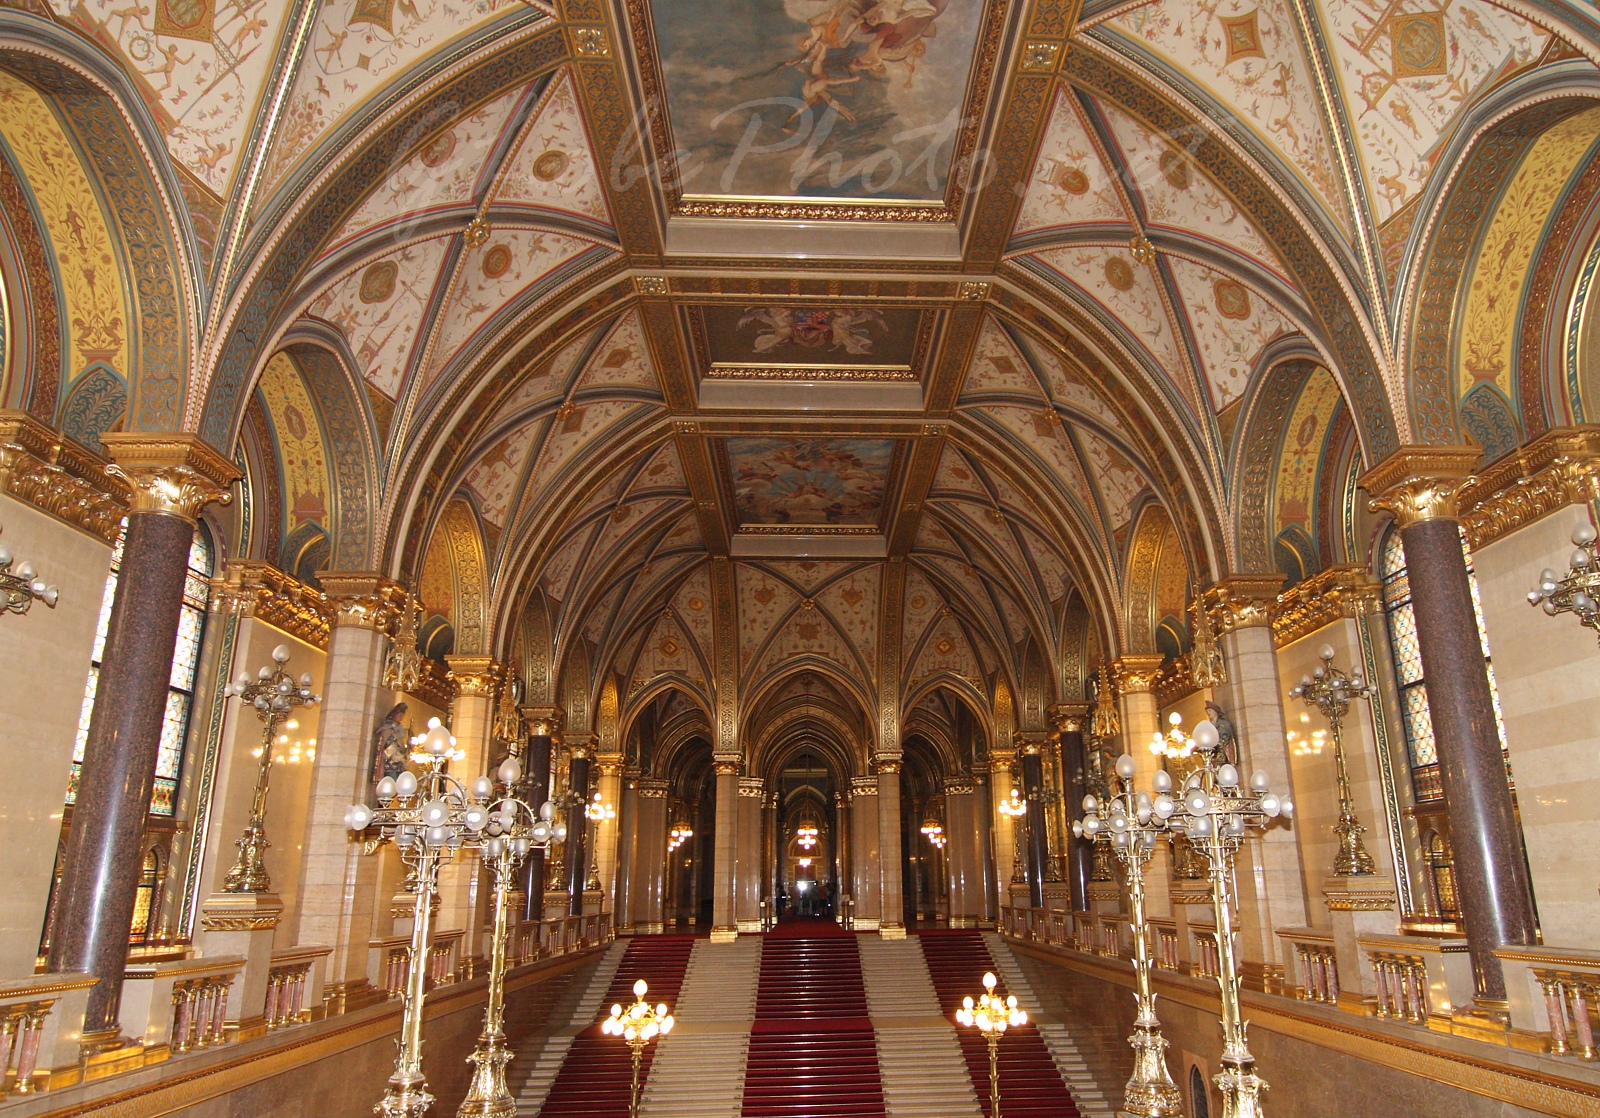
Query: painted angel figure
[779, 322]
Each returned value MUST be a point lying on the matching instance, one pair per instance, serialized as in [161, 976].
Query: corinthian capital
[363, 599]
[177, 475]
[1135, 672]
[1418, 483]
[475, 676]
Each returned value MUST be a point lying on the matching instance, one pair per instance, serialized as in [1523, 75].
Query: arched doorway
[807, 865]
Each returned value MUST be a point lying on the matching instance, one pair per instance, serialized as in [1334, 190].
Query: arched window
[180, 686]
[147, 900]
[1199, 1103]
[1418, 722]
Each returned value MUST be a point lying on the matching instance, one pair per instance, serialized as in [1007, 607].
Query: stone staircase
[918, 1055]
[1089, 1090]
[541, 1054]
[699, 1067]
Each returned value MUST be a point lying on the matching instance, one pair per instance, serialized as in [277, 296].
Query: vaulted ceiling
[821, 285]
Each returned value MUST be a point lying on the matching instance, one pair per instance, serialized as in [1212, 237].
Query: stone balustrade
[40, 1019]
[1419, 979]
[179, 1004]
[1165, 947]
[294, 985]
[1316, 963]
[1204, 962]
[1554, 993]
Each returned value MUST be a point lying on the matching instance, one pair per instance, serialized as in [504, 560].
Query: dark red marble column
[577, 830]
[1080, 854]
[1036, 826]
[537, 759]
[1420, 485]
[104, 855]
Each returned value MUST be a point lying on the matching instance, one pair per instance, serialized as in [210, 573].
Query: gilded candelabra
[1578, 591]
[596, 811]
[274, 694]
[1216, 813]
[1015, 807]
[992, 1015]
[431, 818]
[1128, 822]
[1330, 690]
[19, 589]
[638, 1024]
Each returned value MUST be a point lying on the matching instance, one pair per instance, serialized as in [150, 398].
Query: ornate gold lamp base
[405, 1099]
[487, 1096]
[1241, 1090]
[1150, 1091]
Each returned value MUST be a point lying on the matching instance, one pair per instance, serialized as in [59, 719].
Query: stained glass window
[1408, 665]
[185, 666]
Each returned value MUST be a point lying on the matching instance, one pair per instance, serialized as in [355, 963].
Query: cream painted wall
[48, 650]
[1548, 673]
[1315, 777]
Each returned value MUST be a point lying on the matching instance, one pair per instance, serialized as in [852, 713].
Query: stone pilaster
[864, 863]
[891, 906]
[724, 916]
[1005, 773]
[607, 855]
[963, 856]
[748, 860]
[648, 868]
[1271, 876]
[463, 888]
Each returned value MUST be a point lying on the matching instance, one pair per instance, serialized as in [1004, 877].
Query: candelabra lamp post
[274, 694]
[991, 1015]
[1130, 824]
[1330, 690]
[1578, 591]
[431, 819]
[20, 588]
[638, 1024]
[1015, 807]
[1216, 814]
[597, 811]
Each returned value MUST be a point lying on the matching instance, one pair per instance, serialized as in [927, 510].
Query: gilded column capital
[726, 767]
[1135, 672]
[609, 764]
[580, 745]
[753, 787]
[1002, 758]
[889, 763]
[542, 722]
[1069, 718]
[652, 789]
[1242, 601]
[251, 588]
[363, 599]
[173, 475]
[1419, 483]
[475, 676]
[1030, 743]
[863, 786]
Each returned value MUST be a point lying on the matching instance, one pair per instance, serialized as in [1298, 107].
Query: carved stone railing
[1554, 994]
[179, 1004]
[1419, 978]
[1204, 962]
[1165, 948]
[390, 959]
[294, 985]
[40, 1019]
[1316, 976]
[575, 933]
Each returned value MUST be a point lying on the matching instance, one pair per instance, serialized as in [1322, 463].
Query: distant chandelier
[1014, 805]
[681, 833]
[1174, 744]
[806, 835]
[600, 811]
[934, 830]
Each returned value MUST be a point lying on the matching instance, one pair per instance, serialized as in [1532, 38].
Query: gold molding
[1342, 590]
[435, 688]
[1135, 672]
[1069, 718]
[1175, 681]
[363, 599]
[1420, 483]
[1242, 601]
[868, 374]
[474, 676]
[251, 588]
[171, 475]
[542, 722]
[1557, 469]
[57, 476]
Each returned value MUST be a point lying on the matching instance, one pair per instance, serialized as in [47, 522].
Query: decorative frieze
[250, 588]
[1175, 681]
[176, 475]
[55, 475]
[1343, 590]
[1559, 468]
[1242, 601]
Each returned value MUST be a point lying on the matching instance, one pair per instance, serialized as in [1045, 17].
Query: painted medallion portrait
[837, 482]
[845, 99]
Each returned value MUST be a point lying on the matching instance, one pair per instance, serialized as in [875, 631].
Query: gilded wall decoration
[1301, 454]
[299, 443]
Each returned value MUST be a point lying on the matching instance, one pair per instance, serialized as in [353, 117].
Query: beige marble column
[724, 916]
[963, 855]
[864, 852]
[748, 860]
[608, 832]
[647, 896]
[1134, 675]
[1005, 773]
[840, 838]
[338, 885]
[463, 889]
[1271, 875]
[891, 889]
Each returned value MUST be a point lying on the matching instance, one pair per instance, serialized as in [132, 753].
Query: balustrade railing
[1555, 992]
[199, 1011]
[40, 1019]
[1316, 964]
[1206, 963]
[1402, 980]
[1165, 950]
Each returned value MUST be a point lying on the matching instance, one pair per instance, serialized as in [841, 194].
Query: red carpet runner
[812, 1049]
[1030, 1084]
[594, 1078]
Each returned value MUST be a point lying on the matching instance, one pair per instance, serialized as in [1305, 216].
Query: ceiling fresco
[810, 484]
[816, 99]
[776, 340]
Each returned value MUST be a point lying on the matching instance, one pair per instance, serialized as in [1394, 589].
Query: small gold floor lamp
[992, 1015]
[639, 1024]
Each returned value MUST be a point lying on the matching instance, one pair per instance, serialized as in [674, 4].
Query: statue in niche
[391, 744]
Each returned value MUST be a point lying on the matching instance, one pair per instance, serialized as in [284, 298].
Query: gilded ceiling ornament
[1119, 273]
[651, 285]
[590, 42]
[1040, 56]
[477, 232]
[550, 165]
[1141, 250]
[1417, 44]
